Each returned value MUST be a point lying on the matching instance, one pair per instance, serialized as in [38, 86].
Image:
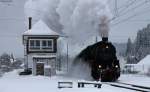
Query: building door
[39, 68]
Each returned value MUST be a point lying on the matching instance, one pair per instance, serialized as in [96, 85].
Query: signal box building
[40, 49]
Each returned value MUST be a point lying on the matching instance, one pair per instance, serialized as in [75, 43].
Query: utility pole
[67, 58]
[116, 8]
[96, 39]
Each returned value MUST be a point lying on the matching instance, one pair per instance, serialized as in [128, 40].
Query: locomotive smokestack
[105, 39]
[30, 23]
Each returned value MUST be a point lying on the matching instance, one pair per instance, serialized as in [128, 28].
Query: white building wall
[51, 63]
[30, 61]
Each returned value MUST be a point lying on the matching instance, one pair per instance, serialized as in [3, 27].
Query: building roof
[40, 28]
[144, 65]
[145, 61]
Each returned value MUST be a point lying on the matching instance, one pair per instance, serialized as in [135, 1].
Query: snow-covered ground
[135, 79]
[12, 82]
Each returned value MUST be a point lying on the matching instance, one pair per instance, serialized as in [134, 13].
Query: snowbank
[135, 79]
[145, 61]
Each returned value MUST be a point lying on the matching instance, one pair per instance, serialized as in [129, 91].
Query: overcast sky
[134, 17]
[12, 23]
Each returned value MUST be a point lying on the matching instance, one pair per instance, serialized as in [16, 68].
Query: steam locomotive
[103, 61]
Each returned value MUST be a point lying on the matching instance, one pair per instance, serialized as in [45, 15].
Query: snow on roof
[145, 61]
[144, 65]
[40, 28]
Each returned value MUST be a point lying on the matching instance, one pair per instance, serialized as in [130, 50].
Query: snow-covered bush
[8, 63]
[5, 60]
[17, 64]
[141, 46]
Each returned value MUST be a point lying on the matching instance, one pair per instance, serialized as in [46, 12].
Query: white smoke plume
[45, 10]
[104, 26]
[80, 70]
[78, 19]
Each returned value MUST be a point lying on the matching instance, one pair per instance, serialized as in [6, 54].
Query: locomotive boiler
[102, 59]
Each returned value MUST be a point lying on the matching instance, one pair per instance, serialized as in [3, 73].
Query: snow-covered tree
[129, 47]
[8, 63]
[5, 59]
[5, 62]
[142, 44]
[130, 52]
[17, 64]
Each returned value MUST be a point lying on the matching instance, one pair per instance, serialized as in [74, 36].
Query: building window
[34, 44]
[47, 44]
[41, 45]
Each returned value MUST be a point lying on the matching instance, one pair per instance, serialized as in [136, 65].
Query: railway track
[128, 86]
[136, 88]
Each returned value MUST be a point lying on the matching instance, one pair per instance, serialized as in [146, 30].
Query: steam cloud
[104, 26]
[81, 70]
[78, 19]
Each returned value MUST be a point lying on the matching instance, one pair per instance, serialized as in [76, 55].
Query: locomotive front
[102, 59]
[106, 65]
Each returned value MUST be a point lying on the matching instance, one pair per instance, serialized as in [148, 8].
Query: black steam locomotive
[103, 61]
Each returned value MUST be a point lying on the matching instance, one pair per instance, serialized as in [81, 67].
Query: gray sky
[12, 23]
[133, 17]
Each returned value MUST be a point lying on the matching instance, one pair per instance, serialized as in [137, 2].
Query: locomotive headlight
[116, 66]
[99, 66]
